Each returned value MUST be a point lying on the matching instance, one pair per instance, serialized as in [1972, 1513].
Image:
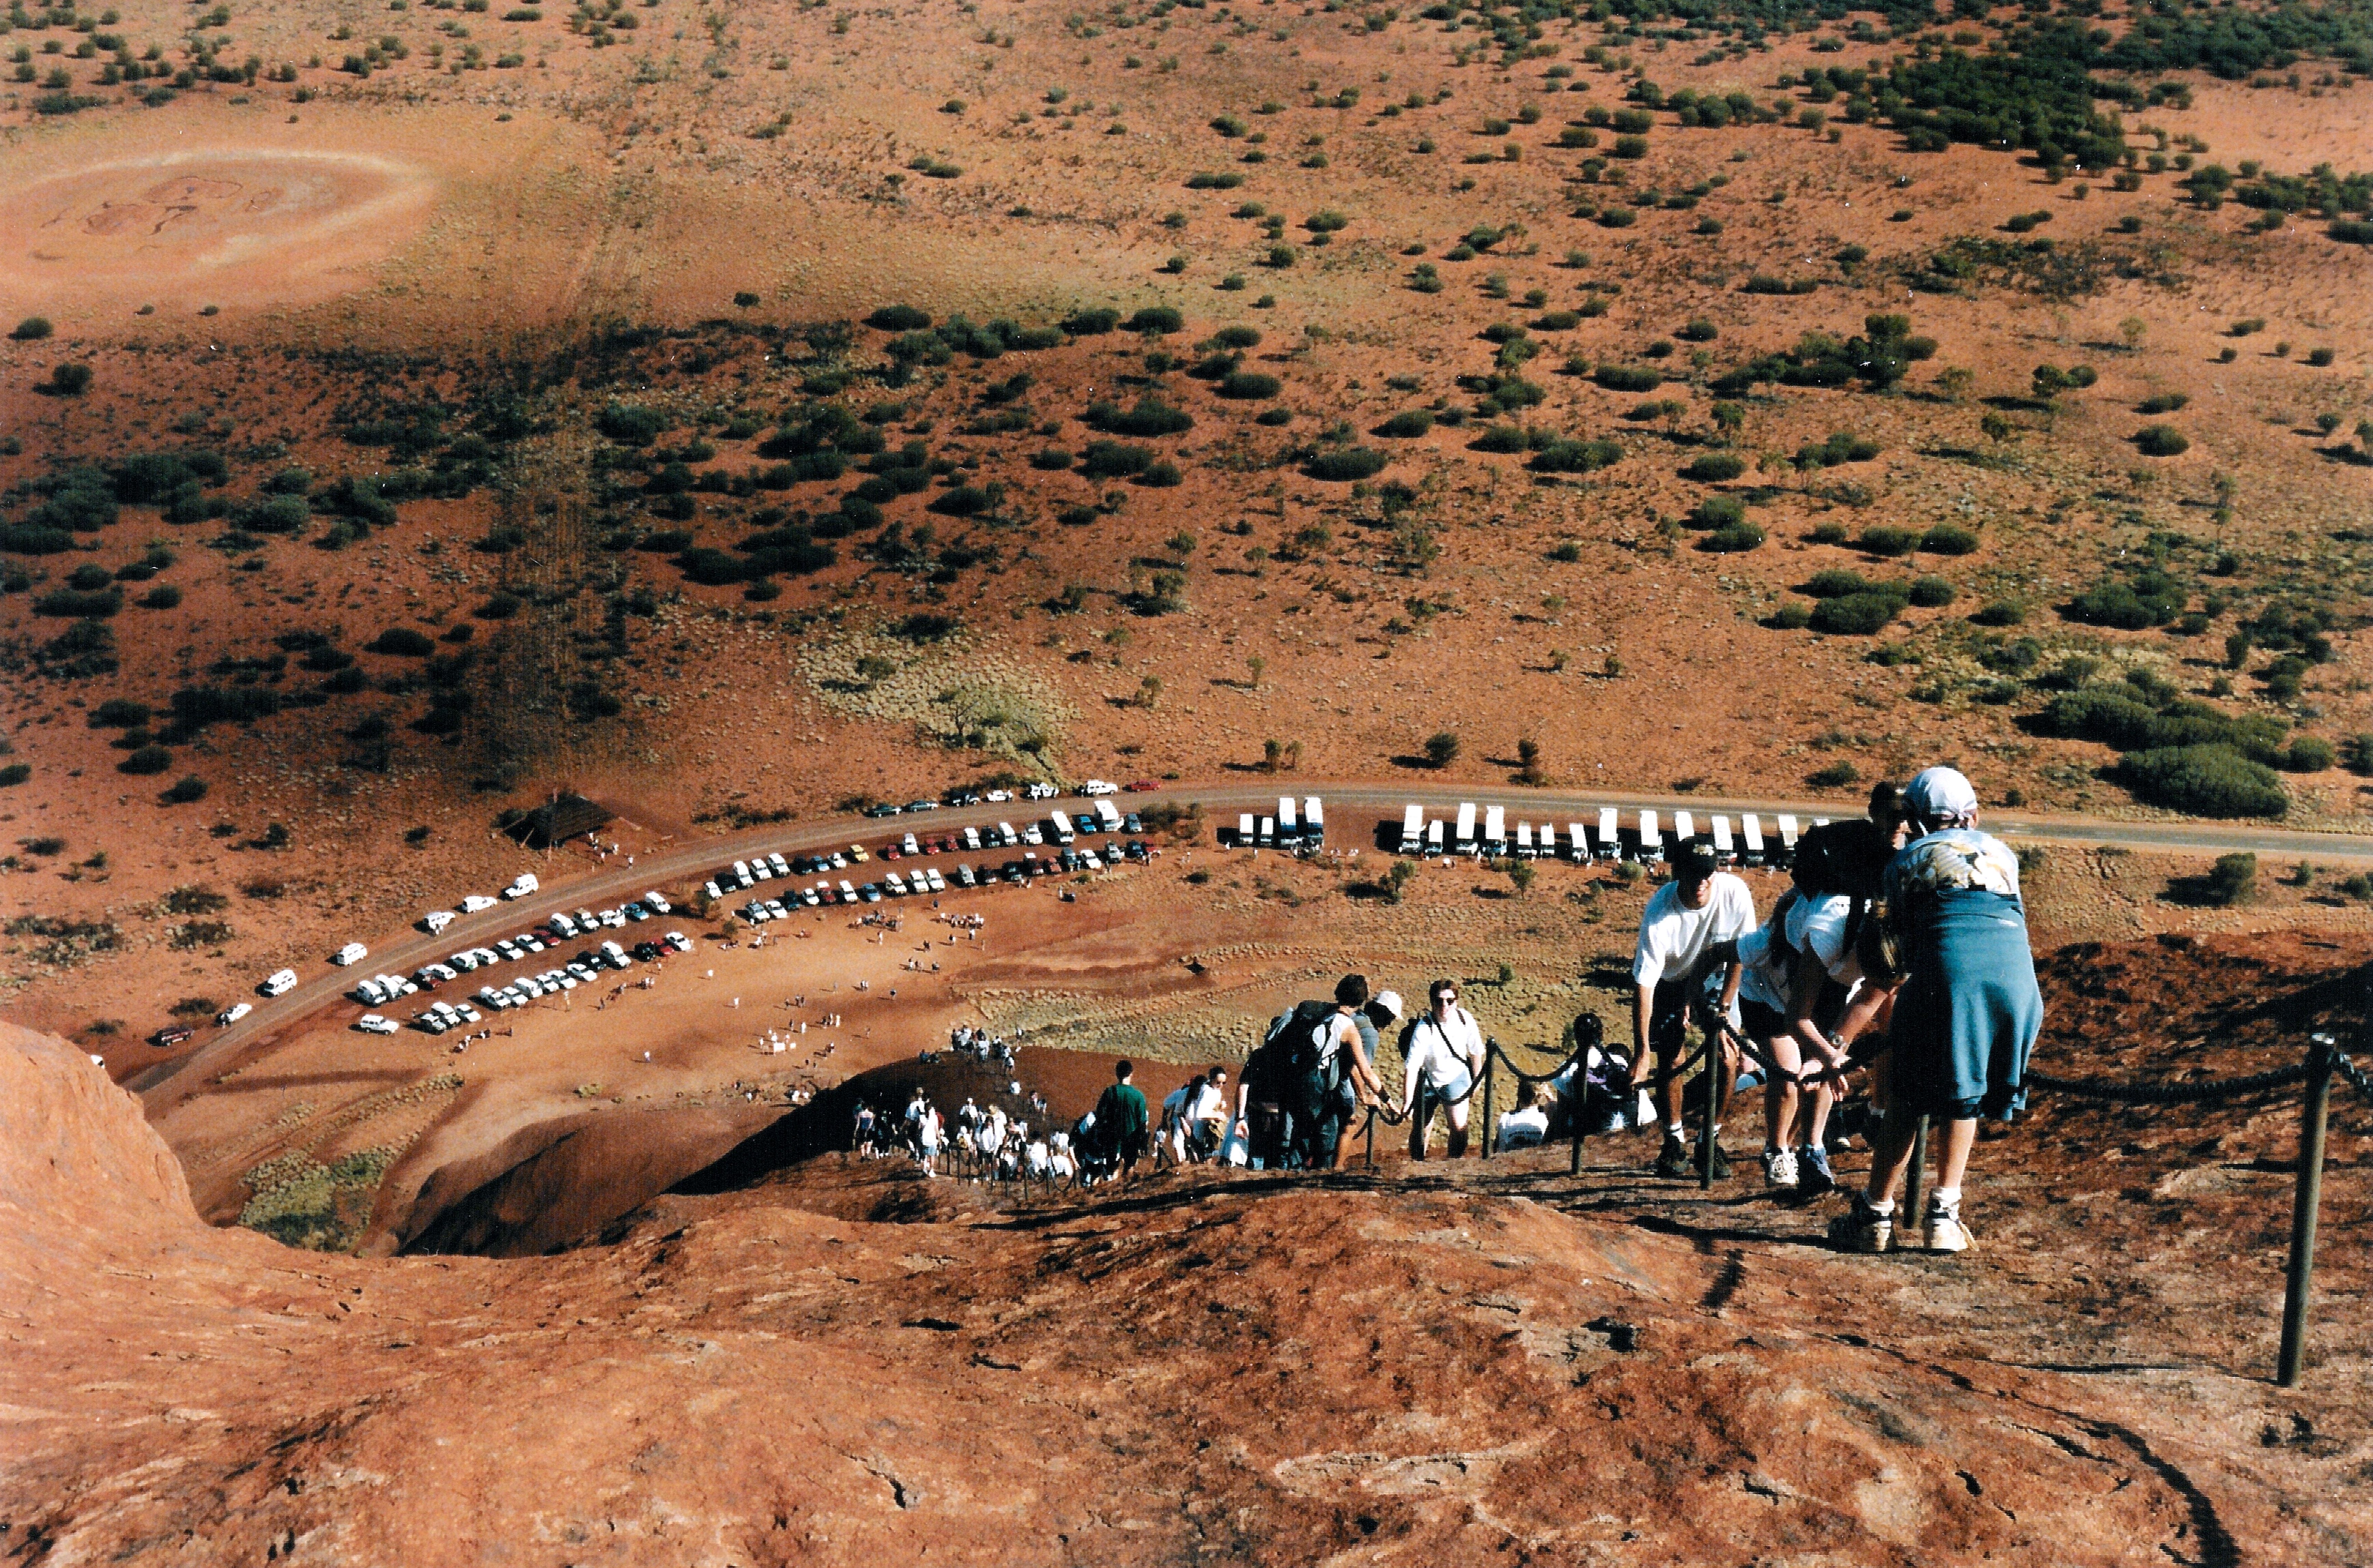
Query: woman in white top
[1442, 1053]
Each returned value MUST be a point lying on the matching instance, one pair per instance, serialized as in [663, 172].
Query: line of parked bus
[1061, 830]
[1304, 829]
[1608, 839]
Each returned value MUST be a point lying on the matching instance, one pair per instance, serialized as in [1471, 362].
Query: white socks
[1948, 1199]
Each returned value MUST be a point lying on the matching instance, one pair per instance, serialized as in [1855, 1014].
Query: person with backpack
[1441, 1055]
[1702, 906]
[1327, 1047]
[1968, 1014]
[1260, 1124]
[1121, 1118]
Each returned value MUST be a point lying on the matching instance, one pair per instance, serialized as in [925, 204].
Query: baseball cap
[1694, 861]
[1387, 1004]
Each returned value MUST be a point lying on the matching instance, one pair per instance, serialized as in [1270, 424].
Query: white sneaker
[1779, 1168]
[1944, 1232]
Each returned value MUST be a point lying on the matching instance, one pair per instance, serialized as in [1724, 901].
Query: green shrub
[2161, 441]
[1733, 538]
[164, 596]
[1274, 416]
[2310, 754]
[2131, 606]
[1575, 457]
[1407, 424]
[2232, 880]
[1150, 416]
[2000, 613]
[1500, 439]
[1715, 467]
[1627, 378]
[120, 712]
[32, 329]
[2205, 781]
[1890, 542]
[630, 425]
[147, 760]
[79, 604]
[1250, 384]
[14, 773]
[899, 319]
[402, 642]
[1114, 460]
[1931, 593]
[184, 790]
[1156, 320]
[1345, 464]
[1949, 539]
[1793, 615]
[1091, 323]
[1857, 614]
[1162, 475]
[1207, 181]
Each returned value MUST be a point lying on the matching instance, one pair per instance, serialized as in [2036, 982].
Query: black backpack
[1848, 856]
[1296, 1036]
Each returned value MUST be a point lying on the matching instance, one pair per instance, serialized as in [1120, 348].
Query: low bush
[2310, 754]
[2161, 441]
[1627, 378]
[1931, 593]
[146, 761]
[1156, 320]
[2205, 781]
[1114, 460]
[1859, 614]
[1407, 424]
[1091, 323]
[184, 790]
[1249, 385]
[1888, 542]
[2232, 880]
[401, 642]
[1714, 468]
[1345, 464]
[1576, 457]
[1949, 539]
[1733, 538]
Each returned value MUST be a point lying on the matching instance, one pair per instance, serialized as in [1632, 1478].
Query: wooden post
[2306, 1201]
[1488, 1070]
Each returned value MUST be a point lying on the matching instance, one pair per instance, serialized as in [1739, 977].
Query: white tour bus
[1412, 827]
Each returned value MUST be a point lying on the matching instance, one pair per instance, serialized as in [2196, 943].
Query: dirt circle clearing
[242, 227]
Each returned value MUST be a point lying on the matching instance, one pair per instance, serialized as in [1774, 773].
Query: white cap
[1390, 1001]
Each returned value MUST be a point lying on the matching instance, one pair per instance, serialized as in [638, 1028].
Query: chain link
[2171, 1094]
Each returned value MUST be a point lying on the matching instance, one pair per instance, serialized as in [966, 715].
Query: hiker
[1208, 1124]
[1702, 905]
[1328, 1048]
[1967, 1016]
[1441, 1055]
[1527, 1126]
[1260, 1121]
[1173, 1140]
[1799, 972]
[1121, 1118]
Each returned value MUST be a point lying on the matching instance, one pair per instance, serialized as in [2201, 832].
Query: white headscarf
[1938, 798]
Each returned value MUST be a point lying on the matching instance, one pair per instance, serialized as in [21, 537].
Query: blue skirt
[1971, 1011]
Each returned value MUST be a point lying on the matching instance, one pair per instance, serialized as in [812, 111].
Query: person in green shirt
[1121, 1118]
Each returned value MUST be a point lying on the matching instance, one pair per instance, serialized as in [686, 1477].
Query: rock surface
[1418, 1370]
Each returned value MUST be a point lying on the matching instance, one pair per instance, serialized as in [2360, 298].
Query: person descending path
[1121, 1118]
[1441, 1055]
[1968, 1014]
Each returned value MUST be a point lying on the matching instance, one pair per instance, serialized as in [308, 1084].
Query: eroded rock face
[1245, 1372]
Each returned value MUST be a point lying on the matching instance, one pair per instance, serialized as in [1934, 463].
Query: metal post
[1712, 1070]
[1488, 1054]
[1910, 1212]
[1372, 1138]
[1580, 1116]
[2306, 1201]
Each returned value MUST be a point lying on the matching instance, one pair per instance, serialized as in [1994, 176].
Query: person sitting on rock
[1526, 1127]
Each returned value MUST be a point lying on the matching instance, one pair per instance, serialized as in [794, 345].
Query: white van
[1435, 832]
[1651, 842]
[1546, 845]
[352, 953]
[1265, 835]
[1107, 816]
[1495, 830]
[1466, 835]
[1610, 837]
[526, 885]
[1412, 827]
[1685, 827]
[1007, 836]
[1577, 841]
[280, 983]
[1724, 854]
[234, 1013]
[972, 840]
[1099, 786]
[1787, 856]
[1288, 827]
[436, 921]
[1752, 831]
[1313, 823]
[1244, 830]
[781, 867]
[657, 905]
[1524, 850]
[472, 902]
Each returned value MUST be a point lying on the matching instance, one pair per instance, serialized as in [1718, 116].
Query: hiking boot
[1944, 1232]
[1813, 1173]
[1721, 1164]
[1863, 1230]
[1674, 1158]
[1779, 1168]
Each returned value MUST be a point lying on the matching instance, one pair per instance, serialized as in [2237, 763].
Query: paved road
[169, 1082]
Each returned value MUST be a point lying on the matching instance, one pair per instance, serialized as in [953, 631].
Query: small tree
[1149, 691]
[1398, 879]
[2233, 880]
[2130, 331]
[1273, 755]
[1441, 748]
[1528, 753]
[1520, 875]
[1255, 667]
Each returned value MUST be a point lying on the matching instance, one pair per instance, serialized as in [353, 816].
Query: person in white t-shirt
[1700, 907]
[1441, 1055]
[1529, 1124]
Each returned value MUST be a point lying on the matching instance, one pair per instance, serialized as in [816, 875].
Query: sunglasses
[1445, 996]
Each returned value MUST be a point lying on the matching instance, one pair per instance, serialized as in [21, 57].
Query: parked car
[372, 1024]
[884, 809]
[234, 1013]
[472, 902]
[1099, 786]
[1041, 791]
[1142, 786]
[922, 806]
[172, 1035]
[352, 953]
[857, 853]
[436, 921]
[526, 885]
[998, 796]
[656, 904]
[648, 951]
[280, 983]
[678, 941]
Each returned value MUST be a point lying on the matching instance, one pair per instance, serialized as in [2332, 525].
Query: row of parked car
[565, 925]
[1041, 791]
